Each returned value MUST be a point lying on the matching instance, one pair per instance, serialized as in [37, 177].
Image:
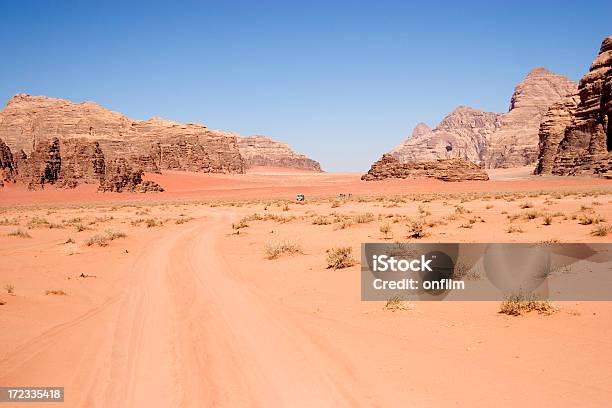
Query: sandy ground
[272, 183]
[186, 309]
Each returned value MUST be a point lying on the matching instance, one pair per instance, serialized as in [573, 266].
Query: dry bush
[516, 305]
[183, 220]
[588, 219]
[396, 304]
[105, 238]
[19, 233]
[58, 292]
[531, 214]
[38, 222]
[514, 229]
[601, 230]
[6, 221]
[459, 209]
[338, 258]
[424, 211]
[526, 204]
[321, 220]
[547, 219]
[275, 249]
[335, 204]
[385, 229]
[363, 218]
[416, 229]
[286, 207]
[10, 288]
[152, 222]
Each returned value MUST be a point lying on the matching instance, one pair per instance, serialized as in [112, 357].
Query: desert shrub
[286, 207]
[547, 219]
[321, 220]
[335, 204]
[105, 238]
[338, 258]
[58, 292]
[275, 249]
[531, 214]
[10, 288]
[516, 305]
[363, 218]
[424, 211]
[38, 222]
[19, 233]
[601, 230]
[416, 229]
[526, 204]
[588, 219]
[241, 224]
[152, 222]
[6, 221]
[385, 229]
[512, 229]
[396, 303]
[459, 209]
[183, 220]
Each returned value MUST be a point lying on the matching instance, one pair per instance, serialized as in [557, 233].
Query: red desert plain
[225, 291]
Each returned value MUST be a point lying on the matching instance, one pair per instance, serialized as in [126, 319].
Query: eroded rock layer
[28, 120]
[443, 169]
[488, 138]
[260, 150]
[8, 170]
[120, 177]
[577, 139]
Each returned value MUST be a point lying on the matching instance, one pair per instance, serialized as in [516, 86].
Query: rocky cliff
[443, 169]
[576, 138]
[492, 139]
[260, 150]
[8, 170]
[150, 145]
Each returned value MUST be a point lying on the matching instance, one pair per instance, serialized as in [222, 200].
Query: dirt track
[187, 329]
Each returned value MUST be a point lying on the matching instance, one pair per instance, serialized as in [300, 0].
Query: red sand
[262, 185]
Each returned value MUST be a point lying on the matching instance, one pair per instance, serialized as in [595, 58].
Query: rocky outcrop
[43, 166]
[443, 169]
[586, 143]
[260, 150]
[488, 138]
[27, 120]
[82, 161]
[8, 169]
[552, 131]
[120, 177]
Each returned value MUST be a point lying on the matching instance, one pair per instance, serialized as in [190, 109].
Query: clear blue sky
[342, 82]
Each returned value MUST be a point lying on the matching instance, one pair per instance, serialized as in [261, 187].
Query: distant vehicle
[342, 195]
[299, 197]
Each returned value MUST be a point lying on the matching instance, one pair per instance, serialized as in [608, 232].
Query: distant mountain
[491, 139]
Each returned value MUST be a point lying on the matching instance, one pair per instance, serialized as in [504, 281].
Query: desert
[196, 286]
[325, 205]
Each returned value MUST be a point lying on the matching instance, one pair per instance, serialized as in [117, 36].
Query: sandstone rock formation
[120, 177]
[8, 168]
[260, 150]
[491, 139]
[28, 120]
[82, 161]
[43, 165]
[443, 169]
[577, 137]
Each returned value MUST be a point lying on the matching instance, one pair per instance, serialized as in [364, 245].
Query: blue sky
[342, 82]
